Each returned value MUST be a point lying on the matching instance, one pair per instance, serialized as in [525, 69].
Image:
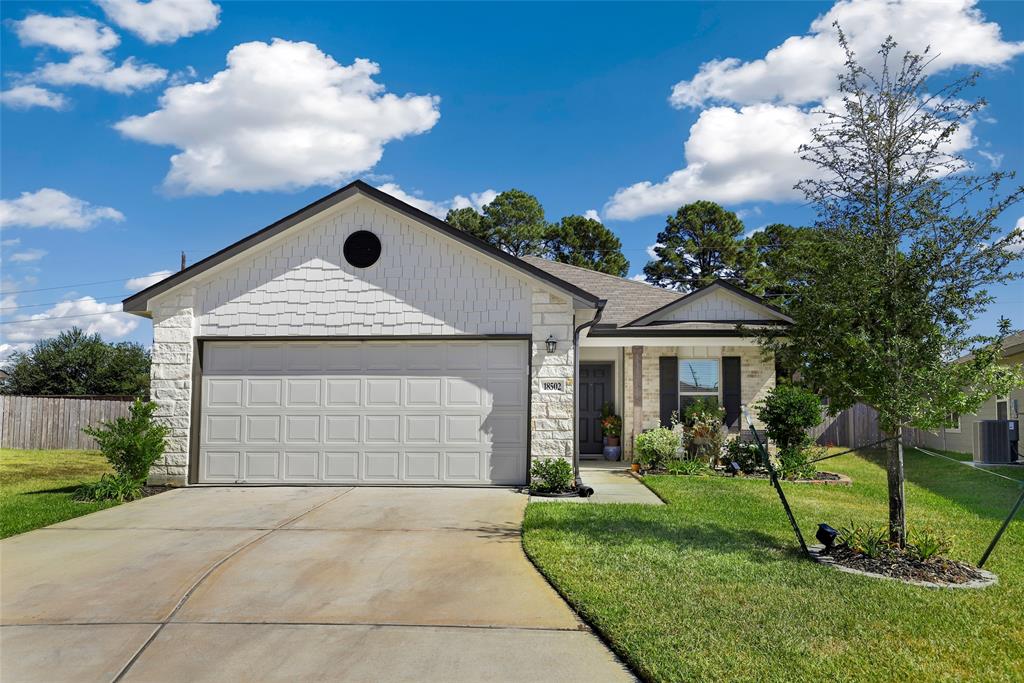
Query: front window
[953, 422]
[698, 381]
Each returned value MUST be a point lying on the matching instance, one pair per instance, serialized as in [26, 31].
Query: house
[362, 341]
[958, 435]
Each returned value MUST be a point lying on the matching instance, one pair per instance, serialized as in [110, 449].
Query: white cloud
[282, 115]
[639, 277]
[743, 146]
[88, 41]
[85, 312]
[476, 200]
[994, 159]
[732, 156]
[1016, 246]
[49, 208]
[77, 35]
[28, 96]
[27, 256]
[99, 71]
[802, 70]
[162, 21]
[138, 283]
[11, 242]
[592, 214]
[651, 254]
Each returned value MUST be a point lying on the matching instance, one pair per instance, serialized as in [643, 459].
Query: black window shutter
[731, 392]
[668, 371]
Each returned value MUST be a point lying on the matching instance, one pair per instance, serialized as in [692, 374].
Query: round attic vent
[362, 249]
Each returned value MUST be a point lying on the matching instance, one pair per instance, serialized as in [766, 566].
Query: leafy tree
[774, 261]
[908, 244]
[586, 243]
[78, 364]
[513, 222]
[468, 220]
[699, 244]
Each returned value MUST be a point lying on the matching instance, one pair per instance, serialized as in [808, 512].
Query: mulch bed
[937, 571]
[148, 491]
[818, 477]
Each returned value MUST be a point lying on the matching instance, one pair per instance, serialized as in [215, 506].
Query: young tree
[78, 364]
[908, 243]
[699, 244]
[586, 243]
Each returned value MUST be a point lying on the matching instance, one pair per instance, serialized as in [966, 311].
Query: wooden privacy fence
[856, 426]
[55, 422]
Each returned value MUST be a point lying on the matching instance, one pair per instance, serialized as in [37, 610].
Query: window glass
[698, 377]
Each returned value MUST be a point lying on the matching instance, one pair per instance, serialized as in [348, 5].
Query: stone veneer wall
[299, 288]
[757, 378]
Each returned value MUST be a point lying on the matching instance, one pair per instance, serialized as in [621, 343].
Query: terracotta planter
[611, 441]
[635, 467]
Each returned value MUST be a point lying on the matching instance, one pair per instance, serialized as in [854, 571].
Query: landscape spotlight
[826, 535]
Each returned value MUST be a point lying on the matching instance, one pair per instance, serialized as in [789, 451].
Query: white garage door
[411, 412]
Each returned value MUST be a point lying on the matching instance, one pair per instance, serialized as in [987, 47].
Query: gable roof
[137, 303]
[626, 298]
[755, 301]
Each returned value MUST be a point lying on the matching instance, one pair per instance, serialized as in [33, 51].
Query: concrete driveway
[290, 584]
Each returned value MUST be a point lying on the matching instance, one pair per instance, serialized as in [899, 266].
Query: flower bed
[936, 572]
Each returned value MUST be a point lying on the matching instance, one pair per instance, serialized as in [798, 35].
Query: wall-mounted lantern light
[551, 343]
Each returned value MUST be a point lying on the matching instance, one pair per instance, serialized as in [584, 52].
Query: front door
[595, 386]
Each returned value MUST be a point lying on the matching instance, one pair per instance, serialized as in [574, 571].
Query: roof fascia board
[138, 302]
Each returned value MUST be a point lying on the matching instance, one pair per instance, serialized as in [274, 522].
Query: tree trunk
[897, 505]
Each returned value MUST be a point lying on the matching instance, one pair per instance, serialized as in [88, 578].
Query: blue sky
[628, 110]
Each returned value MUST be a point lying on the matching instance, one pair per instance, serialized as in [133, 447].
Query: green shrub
[131, 444]
[551, 475]
[690, 467]
[924, 545]
[795, 463]
[872, 541]
[787, 413]
[110, 487]
[655, 447]
[745, 454]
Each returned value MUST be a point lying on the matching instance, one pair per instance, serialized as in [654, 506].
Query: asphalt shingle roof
[627, 299]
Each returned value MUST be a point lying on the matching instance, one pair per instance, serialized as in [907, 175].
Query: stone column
[638, 391]
[171, 386]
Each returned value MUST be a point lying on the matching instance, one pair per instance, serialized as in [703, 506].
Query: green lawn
[711, 586]
[36, 487]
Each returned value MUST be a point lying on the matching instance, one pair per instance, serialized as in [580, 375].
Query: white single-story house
[362, 341]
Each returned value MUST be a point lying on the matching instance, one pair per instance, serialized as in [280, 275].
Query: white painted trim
[625, 342]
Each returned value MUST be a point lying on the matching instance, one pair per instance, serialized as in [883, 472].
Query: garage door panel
[302, 428]
[341, 466]
[301, 465]
[383, 392]
[364, 412]
[223, 465]
[262, 465]
[382, 429]
[423, 429]
[343, 393]
[223, 393]
[341, 429]
[380, 466]
[262, 429]
[303, 393]
[463, 465]
[263, 393]
[423, 466]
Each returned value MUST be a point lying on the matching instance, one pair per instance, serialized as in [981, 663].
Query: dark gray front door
[595, 390]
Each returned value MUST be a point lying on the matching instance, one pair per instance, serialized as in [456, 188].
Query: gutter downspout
[583, 490]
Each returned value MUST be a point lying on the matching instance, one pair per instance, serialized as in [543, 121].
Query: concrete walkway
[290, 584]
[612, 483]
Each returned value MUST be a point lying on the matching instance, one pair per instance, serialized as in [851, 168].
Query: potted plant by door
[611, 428]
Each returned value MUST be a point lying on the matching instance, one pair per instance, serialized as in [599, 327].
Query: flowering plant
[611, 425]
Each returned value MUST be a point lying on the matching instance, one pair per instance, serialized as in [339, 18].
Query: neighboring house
[363, 341]
[959, 434]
